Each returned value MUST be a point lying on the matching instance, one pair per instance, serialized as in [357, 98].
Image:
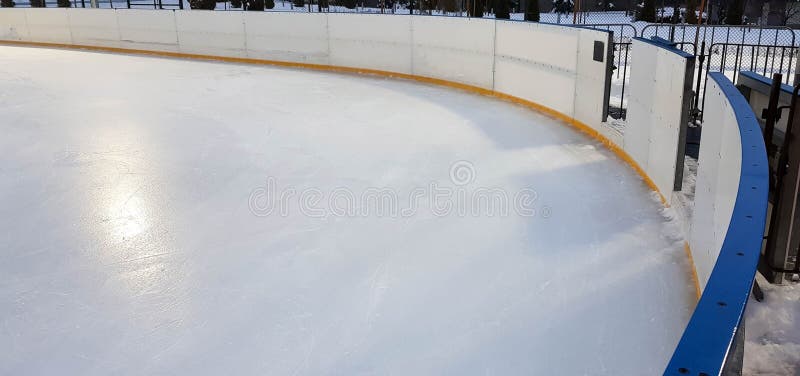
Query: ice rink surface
[136, 239]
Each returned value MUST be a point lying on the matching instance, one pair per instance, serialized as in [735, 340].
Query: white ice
[129, 245]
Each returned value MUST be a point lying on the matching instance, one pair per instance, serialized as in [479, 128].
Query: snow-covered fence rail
[694, 35]
[726, 229]
[661, 91]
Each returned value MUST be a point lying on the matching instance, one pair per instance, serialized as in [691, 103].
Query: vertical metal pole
[772, 112]
[624, 115]
[686, 109]
[796, 71]
[701, 58]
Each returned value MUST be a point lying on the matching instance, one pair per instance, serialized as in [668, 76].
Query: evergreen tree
[475, 8]
[299, 3]
[203, 4]
[269, 4]
[691, 8]
[734, 14]
[532, 10]
[449, 6]
[236, 3]
[501, 9]
[7, 3]
[37, 3]
[63, 3]
[255, 5]
[350, 4]
[427, 6]
[647, 12]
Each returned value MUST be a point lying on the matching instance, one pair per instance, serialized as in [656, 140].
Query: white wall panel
[666, 126]
[211, 33]
[48, 25]
[13, 25]
[147, 29]
[590, 82]
[524, 71]
[655, 111]
[553, 47]
[371, 41]
[531, 82]
[287, 36]
[640, 105]
[719, 166]
[454, 48]
[96, 27]
[729, 170]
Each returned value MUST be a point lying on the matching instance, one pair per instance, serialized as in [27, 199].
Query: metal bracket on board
[599, 51]
[607, 48]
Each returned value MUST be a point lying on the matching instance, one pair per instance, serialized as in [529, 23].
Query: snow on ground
[772, 331]
[138, 237]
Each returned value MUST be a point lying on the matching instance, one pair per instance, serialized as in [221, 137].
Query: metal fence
[718, 48]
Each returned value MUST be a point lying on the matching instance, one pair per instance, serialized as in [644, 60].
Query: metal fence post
[796, 72]
[701, 58]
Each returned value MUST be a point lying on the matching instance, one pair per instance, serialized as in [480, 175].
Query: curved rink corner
[137, 239]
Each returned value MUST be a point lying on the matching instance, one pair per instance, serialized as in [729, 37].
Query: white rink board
[13, 25]
[719, 166]
[94, 27]
[538, 63]
[591, 77]
[546, 45]
[525, 80]
[640, 105]
[455, 49]
[289, 36]
[371, 41]
[212, 33]
[143, 29]
[522, 70]
[652, 135]
[48, 25]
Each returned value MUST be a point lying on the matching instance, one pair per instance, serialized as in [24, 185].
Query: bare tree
[791, 12]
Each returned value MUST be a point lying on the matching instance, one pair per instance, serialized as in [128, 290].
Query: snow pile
[772, 331]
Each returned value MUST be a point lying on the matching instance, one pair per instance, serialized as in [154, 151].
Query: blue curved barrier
[709, 336]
